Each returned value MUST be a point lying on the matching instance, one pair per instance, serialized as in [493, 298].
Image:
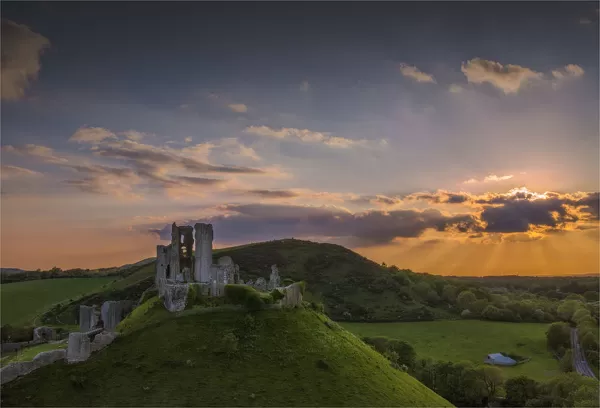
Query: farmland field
[22, 301]
[472, 340]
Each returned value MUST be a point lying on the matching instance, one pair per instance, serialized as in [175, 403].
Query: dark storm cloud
[258, 221]
[590, 205]
[441, 197]
[517, 216]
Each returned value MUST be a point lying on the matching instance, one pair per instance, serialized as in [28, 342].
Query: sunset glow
[454, 154]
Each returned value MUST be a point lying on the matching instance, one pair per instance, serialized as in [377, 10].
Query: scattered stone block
[292, 295]
[43, 333]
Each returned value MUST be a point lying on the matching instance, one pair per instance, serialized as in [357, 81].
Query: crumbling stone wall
[17, 369]
[87, 318]
[79, 348]
[203, 263]
[111, 314]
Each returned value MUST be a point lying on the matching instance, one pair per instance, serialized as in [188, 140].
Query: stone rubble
[43, 334]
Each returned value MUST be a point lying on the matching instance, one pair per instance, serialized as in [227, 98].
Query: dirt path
[579, 362]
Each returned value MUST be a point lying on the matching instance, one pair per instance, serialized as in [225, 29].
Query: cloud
[97, 134]
[9, 172]
[145, 166]
[262, 221]
[522, 210]
[21, 50]
[416, 74]
[306, 136]
[272, 193]
[134, 135]
[508, 78]
[567, 73]
[233, 148]
[489, 179]
[188, 140]
[238, 107]
[304, 86]
[43, 153]
[519, 215]
[145, 155]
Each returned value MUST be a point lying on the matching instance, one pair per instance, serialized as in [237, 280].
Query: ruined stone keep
[176, 264]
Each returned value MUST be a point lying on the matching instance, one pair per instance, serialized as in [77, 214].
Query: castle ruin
[177, 266]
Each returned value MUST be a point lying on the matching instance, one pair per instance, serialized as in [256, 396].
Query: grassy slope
[23, 301]
[29, 353]
[342, 279]
[472, 340]
[177, 362]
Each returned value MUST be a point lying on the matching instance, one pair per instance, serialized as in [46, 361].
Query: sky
[449, 138]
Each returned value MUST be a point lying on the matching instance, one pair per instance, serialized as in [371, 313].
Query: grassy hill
[351, 286]
[472, 340]
[226, 358]
[22, 302]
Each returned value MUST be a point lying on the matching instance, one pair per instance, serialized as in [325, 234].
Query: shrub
[566, 362]
[229, 344]
[12, 334]
[253, 301]
[302, 285]
[276, 295]
[400, 351]
[287, 282]
[267, 298]
[317, 306]
[519, 390]
[150, 293]
[236, 294]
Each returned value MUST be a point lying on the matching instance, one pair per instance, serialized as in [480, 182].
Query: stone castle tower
[203, 255]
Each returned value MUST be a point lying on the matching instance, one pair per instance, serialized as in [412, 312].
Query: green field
[472, 340]
[22, 302]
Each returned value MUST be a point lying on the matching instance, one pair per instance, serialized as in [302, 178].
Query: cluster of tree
[57, 273]
[555, 287]
[566, 390]
[469, 385]
[584, 317]
[401, 354]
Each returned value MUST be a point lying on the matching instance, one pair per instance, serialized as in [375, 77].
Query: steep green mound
[226, 358]
[351, 286]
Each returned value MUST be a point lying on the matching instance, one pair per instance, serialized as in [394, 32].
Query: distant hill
[227, 358]
[351, 286]
[10, 271]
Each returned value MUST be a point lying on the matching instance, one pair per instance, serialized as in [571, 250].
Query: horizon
[415, 134]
